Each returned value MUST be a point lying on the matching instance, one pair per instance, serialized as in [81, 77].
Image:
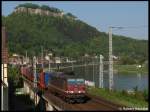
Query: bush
[139, 95]
[145, 94]
[124, 92]
[14, 74]
[135, 89]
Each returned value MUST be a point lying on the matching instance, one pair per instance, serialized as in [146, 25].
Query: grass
[131, 69]
[118, 97]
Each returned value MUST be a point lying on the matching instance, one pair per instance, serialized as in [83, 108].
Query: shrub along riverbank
[139, 99]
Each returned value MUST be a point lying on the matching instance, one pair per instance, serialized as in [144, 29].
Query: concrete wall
[33, 94]
[35, 97]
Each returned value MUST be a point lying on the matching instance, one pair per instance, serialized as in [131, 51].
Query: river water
[122, 81]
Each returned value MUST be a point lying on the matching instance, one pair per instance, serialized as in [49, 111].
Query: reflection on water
[121, 81]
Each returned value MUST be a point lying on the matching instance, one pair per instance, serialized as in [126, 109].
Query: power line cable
[136, 26]
[129, 27]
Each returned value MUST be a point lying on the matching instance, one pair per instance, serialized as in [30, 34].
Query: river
[122, 81]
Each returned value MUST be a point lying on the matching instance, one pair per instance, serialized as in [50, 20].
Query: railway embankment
[136, 99]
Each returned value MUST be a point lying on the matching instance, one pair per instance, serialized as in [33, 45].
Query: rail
[92, 103]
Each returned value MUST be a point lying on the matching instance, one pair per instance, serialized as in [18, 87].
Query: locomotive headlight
[67, 91]
[79, 91]
[71, 91]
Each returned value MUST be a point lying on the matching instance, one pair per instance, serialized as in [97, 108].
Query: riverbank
[120, 97]
[131, 69]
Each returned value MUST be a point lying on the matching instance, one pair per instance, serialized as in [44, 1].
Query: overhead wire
[129, 27]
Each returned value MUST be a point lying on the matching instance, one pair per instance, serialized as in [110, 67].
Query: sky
[132, 15]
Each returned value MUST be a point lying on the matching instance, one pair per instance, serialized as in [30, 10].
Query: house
[57, 60]
[16, 59]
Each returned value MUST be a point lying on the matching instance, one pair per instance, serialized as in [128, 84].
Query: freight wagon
[67, 87]
[44, 77]
[27, 72]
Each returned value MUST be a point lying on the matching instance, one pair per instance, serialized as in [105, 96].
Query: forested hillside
[67, 37]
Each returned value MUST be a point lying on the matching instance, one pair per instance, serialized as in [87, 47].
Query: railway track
[105, 103]
[93, 103]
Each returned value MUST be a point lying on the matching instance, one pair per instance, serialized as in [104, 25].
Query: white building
[57, 60]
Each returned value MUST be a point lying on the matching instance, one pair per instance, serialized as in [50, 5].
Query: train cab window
[71, 81]
[80, 81]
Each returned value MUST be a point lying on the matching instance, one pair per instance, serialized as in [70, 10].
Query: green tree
[67, 37]
[28, 5]
[71, 15]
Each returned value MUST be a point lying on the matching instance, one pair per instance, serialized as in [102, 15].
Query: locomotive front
[76, 89]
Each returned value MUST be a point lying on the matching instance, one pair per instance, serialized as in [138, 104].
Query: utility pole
[101, 71]
[110, 60]
[93, 69]
[34, 72]
[49, 66]
[50, 55]
[26, 57]
[85, 69]
[111, 83]
[72, 65]
[42, 56]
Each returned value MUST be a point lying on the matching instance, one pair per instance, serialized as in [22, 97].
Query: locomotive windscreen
[75, 81]
[71, 81]
[80, 81]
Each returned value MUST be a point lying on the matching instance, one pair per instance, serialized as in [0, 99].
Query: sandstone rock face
[38, 11]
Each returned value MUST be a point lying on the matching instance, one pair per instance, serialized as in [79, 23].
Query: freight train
[27, 72]
[61, 84]
[67, 87]
[42, 77]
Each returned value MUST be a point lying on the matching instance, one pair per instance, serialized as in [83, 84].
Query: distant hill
[66, 35]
